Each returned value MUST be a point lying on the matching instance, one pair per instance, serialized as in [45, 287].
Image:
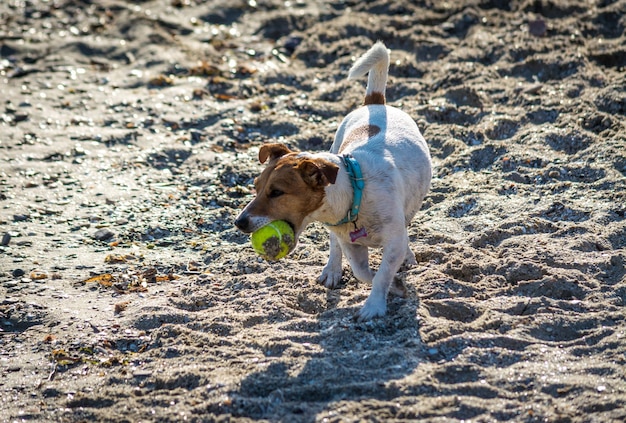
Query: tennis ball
[274, 240]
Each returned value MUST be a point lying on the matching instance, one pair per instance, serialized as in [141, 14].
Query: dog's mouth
[296, 235]
[293, 228]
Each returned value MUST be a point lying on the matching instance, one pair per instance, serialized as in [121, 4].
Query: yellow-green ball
[274, 240]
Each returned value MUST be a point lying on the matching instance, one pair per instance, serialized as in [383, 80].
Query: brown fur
[374, 98]
[361, 133]
[299, 179]
[273, 151]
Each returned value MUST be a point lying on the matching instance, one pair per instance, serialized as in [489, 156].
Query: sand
[128, 143]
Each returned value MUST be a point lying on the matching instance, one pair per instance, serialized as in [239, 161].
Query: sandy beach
[129, 134]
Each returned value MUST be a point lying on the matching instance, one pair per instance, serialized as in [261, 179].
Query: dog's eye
[275, 193]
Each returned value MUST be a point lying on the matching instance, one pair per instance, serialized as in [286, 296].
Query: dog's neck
[339, 196]
[357, 183]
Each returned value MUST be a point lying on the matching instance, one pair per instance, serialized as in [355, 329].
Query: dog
[366, 189]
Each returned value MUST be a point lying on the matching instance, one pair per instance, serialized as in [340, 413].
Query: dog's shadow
[346, 361]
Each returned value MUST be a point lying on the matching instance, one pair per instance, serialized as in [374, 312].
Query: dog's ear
[273, 151]
[318, 172]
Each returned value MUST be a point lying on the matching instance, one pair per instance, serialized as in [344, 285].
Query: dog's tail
[376, 62]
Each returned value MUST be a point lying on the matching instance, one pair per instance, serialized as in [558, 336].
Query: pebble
[103, 234]
[51, 393]
[6, 238]
[20, 217]
[94, 218]
[142, 373]
[291, 43]
[538, 27]
[18, 273]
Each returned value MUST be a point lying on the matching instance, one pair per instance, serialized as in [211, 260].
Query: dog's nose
[243, 223]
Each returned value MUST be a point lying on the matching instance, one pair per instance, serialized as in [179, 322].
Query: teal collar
[357, 182]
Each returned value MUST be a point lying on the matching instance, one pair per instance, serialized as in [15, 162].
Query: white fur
[376, 62]
[396, 166]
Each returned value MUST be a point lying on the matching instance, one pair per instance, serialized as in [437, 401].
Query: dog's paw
[330, 278]
[409, 260]
[398, 288]
[372, 308]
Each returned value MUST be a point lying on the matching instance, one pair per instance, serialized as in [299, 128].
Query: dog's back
[384, 139]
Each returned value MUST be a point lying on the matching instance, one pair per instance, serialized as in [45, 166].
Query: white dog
[366, 189]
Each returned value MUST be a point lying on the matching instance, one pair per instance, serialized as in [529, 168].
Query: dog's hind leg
[357, 255]
[409, 260]
[394, 252]
[397, 286]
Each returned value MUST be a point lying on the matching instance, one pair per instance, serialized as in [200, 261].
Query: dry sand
[128, 142]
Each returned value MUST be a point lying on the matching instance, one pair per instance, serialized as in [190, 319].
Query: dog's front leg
[394, 252]
[331, 275]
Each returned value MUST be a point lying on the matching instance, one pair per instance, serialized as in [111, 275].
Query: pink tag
[359, 233]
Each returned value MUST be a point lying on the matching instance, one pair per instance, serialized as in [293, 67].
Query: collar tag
[359, 233]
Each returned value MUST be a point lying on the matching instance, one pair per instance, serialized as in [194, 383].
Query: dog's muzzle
[243, 223]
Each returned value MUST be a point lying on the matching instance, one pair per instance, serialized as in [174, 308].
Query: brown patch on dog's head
[374, 98]
[273, 151]
[291, 186]
[359, 133]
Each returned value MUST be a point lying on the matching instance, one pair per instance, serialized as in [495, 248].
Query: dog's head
[290, 188]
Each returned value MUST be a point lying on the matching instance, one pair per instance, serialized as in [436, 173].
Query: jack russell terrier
[365, 190]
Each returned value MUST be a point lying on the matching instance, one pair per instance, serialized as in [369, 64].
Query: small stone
[20, 217]
[51, 393]
[6, 238]
[103, 234]
[291, 43]
[18, 273]
[142, 373]
[38, 275]
[538, 27]
[20, 117]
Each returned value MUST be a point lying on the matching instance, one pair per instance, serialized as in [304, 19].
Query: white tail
[376, 62]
